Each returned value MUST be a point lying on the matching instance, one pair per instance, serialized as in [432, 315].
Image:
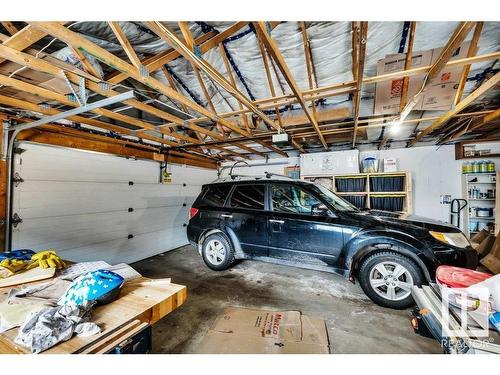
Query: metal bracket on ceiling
[197, 52]
[144, 71]
[76, 98]
[83, 91]
[104, 86]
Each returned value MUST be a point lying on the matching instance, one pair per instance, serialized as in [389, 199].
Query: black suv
[302, 224]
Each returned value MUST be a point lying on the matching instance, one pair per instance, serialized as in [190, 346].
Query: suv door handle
[226, 215]
[277, 221]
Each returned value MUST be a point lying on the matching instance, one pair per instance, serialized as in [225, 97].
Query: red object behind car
[456, 277]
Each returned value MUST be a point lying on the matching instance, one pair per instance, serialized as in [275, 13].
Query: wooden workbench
[141, 302]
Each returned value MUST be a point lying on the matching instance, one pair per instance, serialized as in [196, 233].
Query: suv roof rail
[241, 177]
[270, 174]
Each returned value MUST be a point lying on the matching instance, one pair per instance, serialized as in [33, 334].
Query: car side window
[216, 195]
[293, 199]
[248, 196]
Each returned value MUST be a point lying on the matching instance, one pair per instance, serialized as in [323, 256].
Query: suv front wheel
[387, 278]
[217, 252]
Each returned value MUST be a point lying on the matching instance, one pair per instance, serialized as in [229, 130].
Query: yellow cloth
[9, 267]
[47, 259]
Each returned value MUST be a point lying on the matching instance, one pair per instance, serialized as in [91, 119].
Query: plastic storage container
[350, 184]
[369, 165]
[386, 183]
[357, 200]
[386, 203]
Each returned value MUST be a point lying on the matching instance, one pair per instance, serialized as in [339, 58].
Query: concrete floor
[354, 323]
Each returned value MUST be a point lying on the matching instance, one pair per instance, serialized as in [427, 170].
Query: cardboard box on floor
[486, 245]
[492, 260]
[245, 331]
[439, 93]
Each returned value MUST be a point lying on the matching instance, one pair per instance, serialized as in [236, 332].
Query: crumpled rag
[45, 328]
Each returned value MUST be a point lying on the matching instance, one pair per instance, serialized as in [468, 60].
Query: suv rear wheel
[217, 252]
[387, 278]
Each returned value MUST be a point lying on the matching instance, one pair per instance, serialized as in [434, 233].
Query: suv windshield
[337, 202]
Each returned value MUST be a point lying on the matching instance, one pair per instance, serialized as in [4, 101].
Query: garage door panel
[192, 175]
[40, 162]
[52, 198]
[78, 203]
[128, 250]
[69, 231]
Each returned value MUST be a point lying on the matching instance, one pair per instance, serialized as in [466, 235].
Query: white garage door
[90, 206]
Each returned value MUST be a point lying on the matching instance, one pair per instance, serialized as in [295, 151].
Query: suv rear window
[215, 196]
[248, 196]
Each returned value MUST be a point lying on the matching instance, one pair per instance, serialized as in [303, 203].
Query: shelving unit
[390, 191]
[486, 184]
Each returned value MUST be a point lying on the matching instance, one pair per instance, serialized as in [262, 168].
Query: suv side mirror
[320, 210]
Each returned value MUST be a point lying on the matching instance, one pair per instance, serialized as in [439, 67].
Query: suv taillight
[192, 212]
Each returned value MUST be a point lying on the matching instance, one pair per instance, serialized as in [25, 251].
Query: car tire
[217, 252]
[377, 276]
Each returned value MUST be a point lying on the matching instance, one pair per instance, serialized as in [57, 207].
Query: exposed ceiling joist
[481, 90]
[9, 26]
[127, 47]
[203, 65]
[24, 38]
[77, 41]
[466, 69]
[205, 43]
[273, 50]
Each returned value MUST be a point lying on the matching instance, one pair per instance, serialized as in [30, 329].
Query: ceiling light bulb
[395, 126]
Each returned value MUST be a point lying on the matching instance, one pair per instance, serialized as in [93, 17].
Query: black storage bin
[387, 183]
[387, 203]
[350, 184]
[356, 200]
[140, 343]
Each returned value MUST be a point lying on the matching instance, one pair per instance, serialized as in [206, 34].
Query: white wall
[259, 167]
[434, 172]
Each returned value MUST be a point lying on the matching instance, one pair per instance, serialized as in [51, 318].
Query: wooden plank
[104, 144]
[204, 66]
[481, 90]
[359, 78]
[159, 60]
[322, 116]
[9, 26]
[146, 302]
[273, 50]
[23, 39]
[222, 52]
[465, 70]
[270, 84]
[127, 47]
[475, 125]
[16, 103]
[43, 66]
[78, 41]
[112, 336]
[89, 68]
[49, 94]
[29, 276]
